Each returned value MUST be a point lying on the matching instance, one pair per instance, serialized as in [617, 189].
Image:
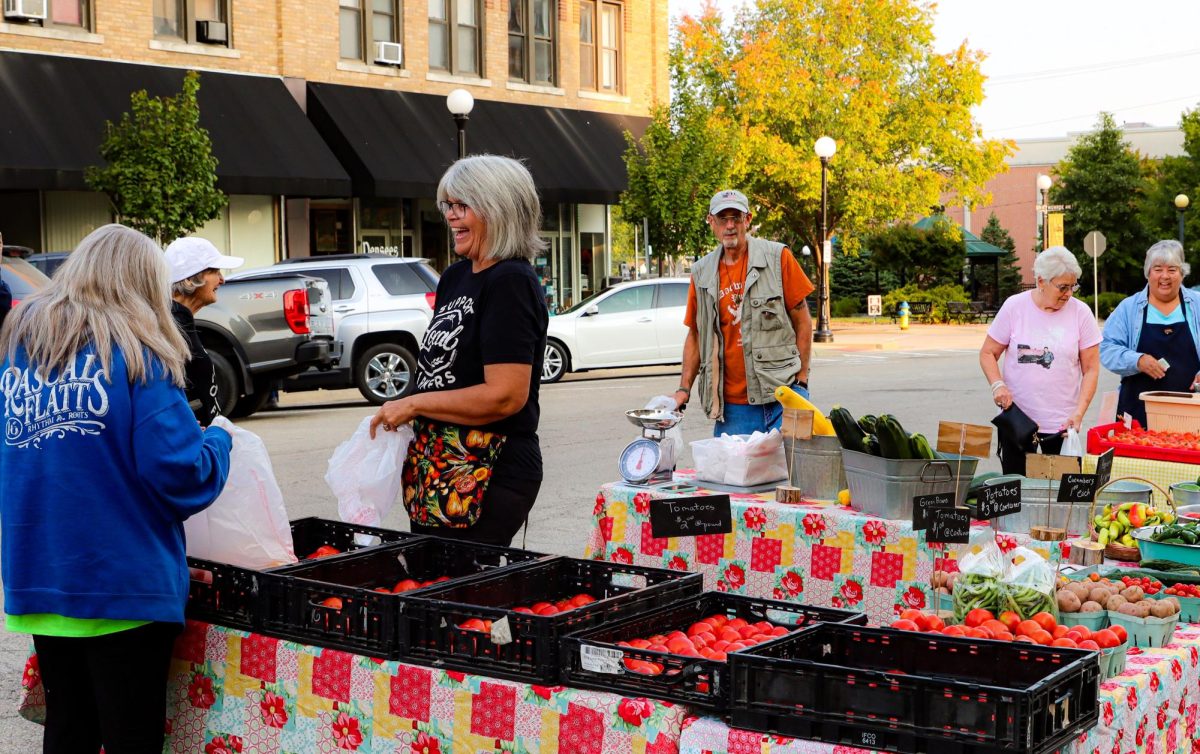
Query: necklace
[736, 296]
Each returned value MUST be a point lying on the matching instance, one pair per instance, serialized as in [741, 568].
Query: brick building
[328, 117]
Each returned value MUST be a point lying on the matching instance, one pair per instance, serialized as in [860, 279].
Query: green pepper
[1173, 541]
[1187, 536]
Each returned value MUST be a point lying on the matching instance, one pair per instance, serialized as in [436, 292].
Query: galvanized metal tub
[1036, 511]
[815, 466]
[886, 486]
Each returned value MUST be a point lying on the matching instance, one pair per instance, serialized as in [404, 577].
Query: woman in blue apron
[1151, 338]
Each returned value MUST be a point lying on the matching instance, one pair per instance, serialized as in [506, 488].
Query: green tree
[786, 72]
[1010, 270]
[1101, 181]
[927, 258]
[1171, 176]
[160, 174]
[683, 158]
[855, 276]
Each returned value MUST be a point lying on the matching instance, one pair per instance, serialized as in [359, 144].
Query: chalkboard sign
[1104, 468]
[997, 500]
[690, 516]
[923, 504]
[952, 525]
[1077, 488]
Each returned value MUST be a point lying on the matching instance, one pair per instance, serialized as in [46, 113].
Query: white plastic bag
[741, 460]
[1072, 446]
[667, 403]
[1030, 583]
[364, 474]
[247, 525]
[981, 566]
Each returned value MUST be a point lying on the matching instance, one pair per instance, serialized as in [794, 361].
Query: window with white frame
[600, 45]
[364, 23]
[531, 34]
[193, 21]
[455, 39]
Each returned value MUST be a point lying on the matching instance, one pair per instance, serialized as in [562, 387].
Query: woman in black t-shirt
[478, 372]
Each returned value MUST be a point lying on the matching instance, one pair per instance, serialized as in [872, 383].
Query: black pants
[109, 690]
[506, 506]
[1012, 454]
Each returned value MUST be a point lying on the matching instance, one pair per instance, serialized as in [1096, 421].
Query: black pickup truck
[259, 332]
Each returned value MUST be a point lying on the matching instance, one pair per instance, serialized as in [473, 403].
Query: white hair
[188, 286]
[1169, 252]
[501, 191]
[1056, 262]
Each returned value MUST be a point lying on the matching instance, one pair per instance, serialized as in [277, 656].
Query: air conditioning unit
[389, 53]
[212, 32]
[25, 9]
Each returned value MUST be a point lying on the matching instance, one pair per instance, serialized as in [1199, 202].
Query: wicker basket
[1114, 550]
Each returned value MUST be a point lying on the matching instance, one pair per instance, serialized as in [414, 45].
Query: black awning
[55, 108]
[398, 144]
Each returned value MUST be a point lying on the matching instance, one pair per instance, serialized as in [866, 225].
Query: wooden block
[964, 439]
[1085, 552]
[788, 495]
[1038, 466]
[1047, 534]
[797, 424]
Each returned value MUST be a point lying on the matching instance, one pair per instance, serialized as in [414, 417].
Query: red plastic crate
[1098, 442]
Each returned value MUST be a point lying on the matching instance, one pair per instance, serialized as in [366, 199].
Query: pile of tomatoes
[537, 608]
[1148, 585]
[1157, 439]
[1041, 628]
[711, 638]
[1184, 590]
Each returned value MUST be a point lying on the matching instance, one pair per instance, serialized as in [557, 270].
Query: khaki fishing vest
[768, 338]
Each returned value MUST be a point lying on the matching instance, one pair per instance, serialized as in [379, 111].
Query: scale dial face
[639, 460]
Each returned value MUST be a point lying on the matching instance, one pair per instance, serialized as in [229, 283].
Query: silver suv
[381, 308]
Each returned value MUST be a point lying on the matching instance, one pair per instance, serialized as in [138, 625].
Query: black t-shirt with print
[201, 376]
[496, 316]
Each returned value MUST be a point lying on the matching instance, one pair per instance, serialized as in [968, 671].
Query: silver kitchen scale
[651, 458]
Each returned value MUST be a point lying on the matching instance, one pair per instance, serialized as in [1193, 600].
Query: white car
[631, 324]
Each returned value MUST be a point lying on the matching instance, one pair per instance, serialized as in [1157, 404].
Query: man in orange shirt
[749, 330]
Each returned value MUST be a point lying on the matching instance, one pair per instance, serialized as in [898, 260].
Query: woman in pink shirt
[1051, 350]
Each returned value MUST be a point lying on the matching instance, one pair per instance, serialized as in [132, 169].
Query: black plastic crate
[532, 653]
[222, 593]
[368, 621]
[310, 533]
[905, 691]
[592, 659]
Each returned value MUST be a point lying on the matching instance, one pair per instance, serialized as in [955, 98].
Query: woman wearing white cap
[195, 277]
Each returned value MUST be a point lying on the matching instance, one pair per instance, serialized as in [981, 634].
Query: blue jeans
[744, 419]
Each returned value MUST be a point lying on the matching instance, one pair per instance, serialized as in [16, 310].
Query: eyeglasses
[454, 209]
[1066, 287]
[735, 217]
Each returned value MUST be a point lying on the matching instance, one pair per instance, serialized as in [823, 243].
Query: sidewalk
[885, 336]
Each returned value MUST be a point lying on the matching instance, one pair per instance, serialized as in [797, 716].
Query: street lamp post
[460, 102]
[1043, 184]
[1181, 205]
[825, 147]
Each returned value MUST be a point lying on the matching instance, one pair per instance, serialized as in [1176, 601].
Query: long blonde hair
[113, 291]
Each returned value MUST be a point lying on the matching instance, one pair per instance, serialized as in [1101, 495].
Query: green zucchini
[867, 422]
[893, 440]
[848, 432]
[921, 447]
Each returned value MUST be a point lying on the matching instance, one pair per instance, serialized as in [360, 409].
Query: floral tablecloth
[818, 553]
[1151, 708]
[231, 691]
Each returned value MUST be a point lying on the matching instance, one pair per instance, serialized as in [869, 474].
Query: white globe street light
[460, 103]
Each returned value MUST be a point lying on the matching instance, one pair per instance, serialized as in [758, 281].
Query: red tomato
[1042, 637]
[1089, 644]
[1059, 632]
[1122, 634]
[913, 615]
[1045, 620]
[1027, 627]
[1106, 638]
[978, 633]
[1010, 619]
[995, 626]
[699, 628]
[334, 602]
[954, 631]
[1064, 642]
[736, 624]
[905, 624]
[405, 585]
[472, 624]
[934, 623]
[1083, 631]
[976, 617]
[1004, 636]
[679, 644]
[548, 610]
[1025, 638]
[523, 610]
[324, 551]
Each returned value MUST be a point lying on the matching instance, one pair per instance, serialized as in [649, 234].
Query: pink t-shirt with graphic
[1041, 363]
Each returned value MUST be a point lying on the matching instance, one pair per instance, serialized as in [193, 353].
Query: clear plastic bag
[364, 474]
[1072, 446]
[981, 566]
[1029, 584]
[741, 460]
[247, 525]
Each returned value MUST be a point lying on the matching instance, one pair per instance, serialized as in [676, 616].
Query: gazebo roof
[977, 248]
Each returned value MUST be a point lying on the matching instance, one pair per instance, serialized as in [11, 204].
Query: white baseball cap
[190, 255]
[728, 199]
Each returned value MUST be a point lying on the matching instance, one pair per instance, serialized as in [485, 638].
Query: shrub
[1108, 302]
[844, 307]
[938, 296]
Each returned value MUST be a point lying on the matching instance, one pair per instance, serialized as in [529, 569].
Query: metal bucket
[815, 466]
[1034, 493]
[1183, 495]
[886, 486]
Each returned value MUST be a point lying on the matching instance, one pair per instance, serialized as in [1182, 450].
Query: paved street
[583, 430]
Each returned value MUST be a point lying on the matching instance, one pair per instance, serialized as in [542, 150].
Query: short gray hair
[188, 286]
[501, 191]
[1168, 252]
[1055, 262]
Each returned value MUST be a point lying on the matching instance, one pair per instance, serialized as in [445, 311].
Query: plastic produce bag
[364, 474]
[247, 525]
[674, 435]
[1072, 446]
[1029, 584]
[741, 460]
[981, 566]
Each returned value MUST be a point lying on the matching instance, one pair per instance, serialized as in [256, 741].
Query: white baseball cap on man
[190, 255]
[728, 199]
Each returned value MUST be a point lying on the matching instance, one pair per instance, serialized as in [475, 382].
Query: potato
[1068, 601]
[950, 580]
[1128, 608]
[939, 579]
[1133, 593]
[1145, 608]
[1082, 591]
[1161, 608]
[1174, 602]
[1114, 602]
[1099, 594]
[1091, 607]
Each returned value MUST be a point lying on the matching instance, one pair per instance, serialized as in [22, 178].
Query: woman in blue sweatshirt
[101, 462]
